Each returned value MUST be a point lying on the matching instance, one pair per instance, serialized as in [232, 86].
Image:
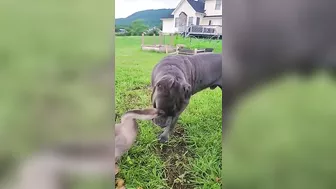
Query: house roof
[167, 17]
[170, 15]
[197, 5]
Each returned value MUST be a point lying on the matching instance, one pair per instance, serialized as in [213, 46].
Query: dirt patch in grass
[175, 155]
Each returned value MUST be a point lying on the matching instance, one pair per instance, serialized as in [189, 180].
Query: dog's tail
[143, 114]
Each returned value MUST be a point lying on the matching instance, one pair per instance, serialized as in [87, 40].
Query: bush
[153, 31]
[137, 28]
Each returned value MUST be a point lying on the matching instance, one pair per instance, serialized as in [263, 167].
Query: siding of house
[210, 8]
[186, 8]
[200, 15]
[168, 25]
[214, 21]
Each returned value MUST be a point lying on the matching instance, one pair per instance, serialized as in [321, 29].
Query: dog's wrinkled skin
[176, 78]
[265, 39]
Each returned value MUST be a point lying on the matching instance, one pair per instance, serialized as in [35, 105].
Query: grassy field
[192, 158]
[191, 42]
[282, 136]
[199, 43]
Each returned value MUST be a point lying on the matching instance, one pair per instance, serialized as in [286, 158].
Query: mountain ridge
[151, 17]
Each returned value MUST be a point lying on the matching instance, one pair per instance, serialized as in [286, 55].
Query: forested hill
[150, 17]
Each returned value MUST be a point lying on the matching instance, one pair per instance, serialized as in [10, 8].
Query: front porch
[201, 30]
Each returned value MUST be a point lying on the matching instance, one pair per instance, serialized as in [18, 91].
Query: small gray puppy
[127, 130]
[176, 78]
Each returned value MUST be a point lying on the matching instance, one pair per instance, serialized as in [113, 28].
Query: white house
[195, 16]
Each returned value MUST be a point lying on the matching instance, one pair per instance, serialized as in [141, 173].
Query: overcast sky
[125, 8]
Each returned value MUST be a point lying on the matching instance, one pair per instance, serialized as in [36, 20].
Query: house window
[198, 21]
[190, 21]
[209, 22]
[218, 4]
[176, 22]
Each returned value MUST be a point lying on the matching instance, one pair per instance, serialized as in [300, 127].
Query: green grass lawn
[192, 158]
[199, 43]
[282, 136]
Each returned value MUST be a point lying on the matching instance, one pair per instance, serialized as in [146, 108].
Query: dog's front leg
[164, 136]
[169, 129]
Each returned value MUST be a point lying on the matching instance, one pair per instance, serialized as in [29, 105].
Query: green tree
[138, 27]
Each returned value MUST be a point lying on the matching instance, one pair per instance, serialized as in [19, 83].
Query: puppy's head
[168, 95]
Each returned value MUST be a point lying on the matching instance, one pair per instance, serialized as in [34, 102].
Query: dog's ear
[186, 90]
[165, 83]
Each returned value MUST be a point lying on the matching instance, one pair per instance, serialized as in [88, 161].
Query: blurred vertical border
[282, 134]
[56, 76]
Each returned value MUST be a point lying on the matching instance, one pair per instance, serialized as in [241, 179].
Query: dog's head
[168, 95]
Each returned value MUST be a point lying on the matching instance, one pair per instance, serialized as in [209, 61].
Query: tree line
[137, 28]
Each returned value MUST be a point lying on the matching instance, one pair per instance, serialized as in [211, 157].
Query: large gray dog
[176, 78]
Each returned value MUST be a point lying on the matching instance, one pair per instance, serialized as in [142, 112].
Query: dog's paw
[163, 138]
